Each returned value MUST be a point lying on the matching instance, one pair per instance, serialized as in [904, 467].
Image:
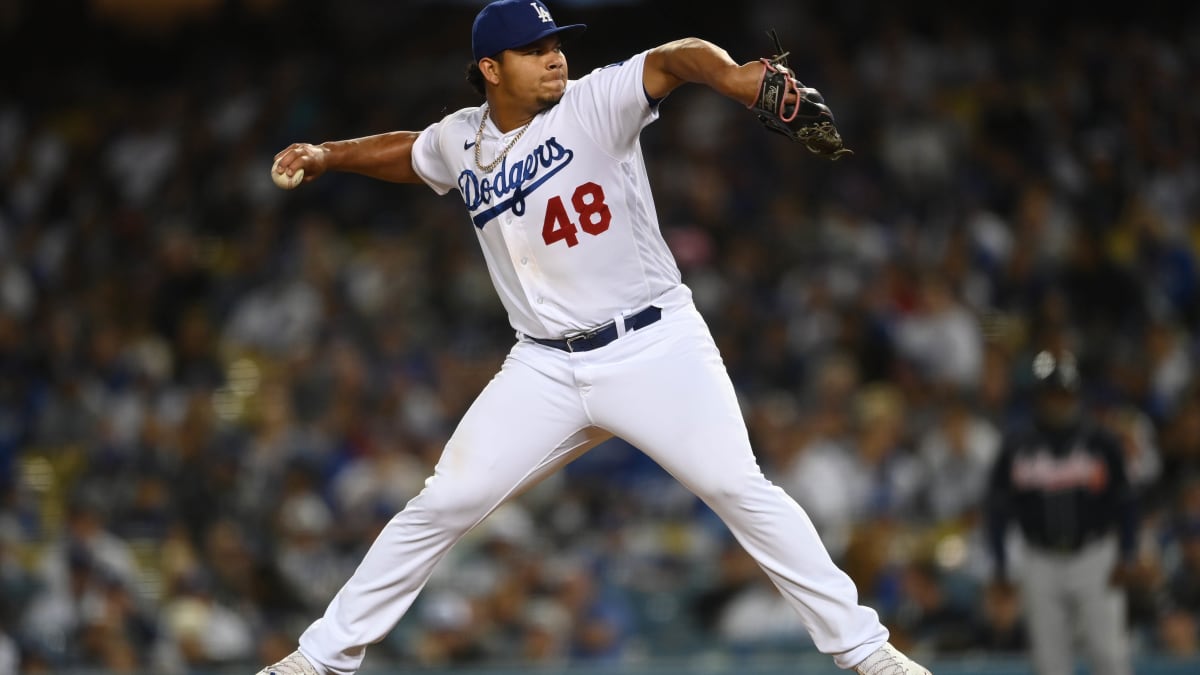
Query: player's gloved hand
[1132, 575]
[787, 107]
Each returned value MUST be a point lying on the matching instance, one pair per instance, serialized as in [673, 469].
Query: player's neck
[507, 117]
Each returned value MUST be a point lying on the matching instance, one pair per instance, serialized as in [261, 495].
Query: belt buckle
[582, 335]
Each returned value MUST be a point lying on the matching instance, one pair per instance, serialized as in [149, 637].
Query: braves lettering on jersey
[1046, 471]
[568, 206]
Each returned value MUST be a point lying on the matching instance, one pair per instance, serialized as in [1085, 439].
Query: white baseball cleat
[292, 664]
[887, 660]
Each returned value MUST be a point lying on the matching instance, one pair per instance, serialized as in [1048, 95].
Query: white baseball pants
[665, 390]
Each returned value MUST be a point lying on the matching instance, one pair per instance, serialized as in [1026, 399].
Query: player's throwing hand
[299, 163]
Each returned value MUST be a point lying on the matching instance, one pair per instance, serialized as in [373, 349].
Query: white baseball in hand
[283, 180]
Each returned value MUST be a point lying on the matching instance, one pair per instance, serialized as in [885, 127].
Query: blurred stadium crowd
[213, 393]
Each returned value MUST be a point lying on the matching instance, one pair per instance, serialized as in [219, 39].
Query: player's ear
[491, 70]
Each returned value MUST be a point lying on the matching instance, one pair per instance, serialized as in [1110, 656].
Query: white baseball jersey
[570, 236]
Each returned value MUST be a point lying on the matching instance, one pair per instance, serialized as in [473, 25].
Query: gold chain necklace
[503, 153]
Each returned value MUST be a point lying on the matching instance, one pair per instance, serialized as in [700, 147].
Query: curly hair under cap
[475, 76]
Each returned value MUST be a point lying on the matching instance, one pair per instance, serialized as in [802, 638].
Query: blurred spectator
[601, 619]
[1181, 445]
[449, 637]
[1170, 366]
[999, 628]
[18, 584]
[383, 478]
[87, 551]
[231, 563]
[757, 619]
[942, 337]
[930, 618]
[1137, 434]
[1183, 583]
[206, 632]
[306, 557]
[956, 458]
[735, 571]
[1179, 634]
[546, 639]
[867, 474]
[89, 611]
[744, 610]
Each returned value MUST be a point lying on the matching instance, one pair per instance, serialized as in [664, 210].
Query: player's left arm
[695, 60]
[1121, 493]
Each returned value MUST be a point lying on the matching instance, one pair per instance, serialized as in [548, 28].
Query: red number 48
[594, 216]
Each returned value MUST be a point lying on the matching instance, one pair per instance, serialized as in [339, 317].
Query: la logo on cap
[542, 12]
[506, 24]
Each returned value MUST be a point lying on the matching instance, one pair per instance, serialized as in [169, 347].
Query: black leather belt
[602, 335]
[1072, 543]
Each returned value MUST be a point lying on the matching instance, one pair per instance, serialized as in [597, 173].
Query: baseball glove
[805, 119]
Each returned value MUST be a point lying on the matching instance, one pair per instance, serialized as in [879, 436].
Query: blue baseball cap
[506, 24]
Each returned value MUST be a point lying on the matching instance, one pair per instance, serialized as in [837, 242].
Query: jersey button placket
[519, 250]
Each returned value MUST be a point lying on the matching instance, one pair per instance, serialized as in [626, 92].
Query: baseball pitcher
[551, 175]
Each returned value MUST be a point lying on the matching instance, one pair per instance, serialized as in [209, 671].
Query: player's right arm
[385, 156]
[998, 507]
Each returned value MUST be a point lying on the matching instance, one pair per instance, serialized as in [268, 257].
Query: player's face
[1057, 408]
[536, 73]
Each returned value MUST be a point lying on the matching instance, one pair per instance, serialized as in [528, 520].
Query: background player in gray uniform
[608, 339]
[1062, 480]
